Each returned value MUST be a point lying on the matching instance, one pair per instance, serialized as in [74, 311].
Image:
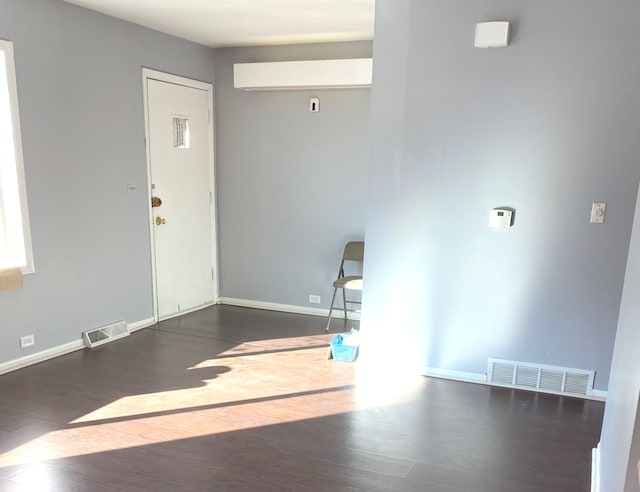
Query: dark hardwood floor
[234, 399]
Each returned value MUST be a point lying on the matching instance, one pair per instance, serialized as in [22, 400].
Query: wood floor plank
[237, 399]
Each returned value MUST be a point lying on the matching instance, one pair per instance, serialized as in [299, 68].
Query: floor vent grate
[100, 336]
[526, 375]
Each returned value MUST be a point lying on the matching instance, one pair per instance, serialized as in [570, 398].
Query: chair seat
[352, 282]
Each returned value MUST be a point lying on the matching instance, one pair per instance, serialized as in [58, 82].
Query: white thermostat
[501, 218]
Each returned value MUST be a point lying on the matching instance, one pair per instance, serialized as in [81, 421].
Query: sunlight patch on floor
[221, 380]
[380, 388]
[186, 424]
[227, 393]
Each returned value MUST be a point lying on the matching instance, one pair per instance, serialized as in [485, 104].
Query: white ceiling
[217, 23]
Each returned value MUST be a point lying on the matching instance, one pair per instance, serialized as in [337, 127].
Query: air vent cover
[100, 336]
[305, 74]
[527, 375]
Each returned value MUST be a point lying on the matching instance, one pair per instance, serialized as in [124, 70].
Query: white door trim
[148, 74]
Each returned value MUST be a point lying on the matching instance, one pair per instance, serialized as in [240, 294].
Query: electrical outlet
[27, 341]
[313, 299]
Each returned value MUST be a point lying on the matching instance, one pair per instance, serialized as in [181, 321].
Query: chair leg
[333, 299]
[344, 304]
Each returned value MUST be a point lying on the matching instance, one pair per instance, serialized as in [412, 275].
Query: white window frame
[7, 48]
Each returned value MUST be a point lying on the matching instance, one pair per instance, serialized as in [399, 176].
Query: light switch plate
[598, 210]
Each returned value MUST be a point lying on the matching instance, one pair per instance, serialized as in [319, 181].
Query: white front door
[180, 151]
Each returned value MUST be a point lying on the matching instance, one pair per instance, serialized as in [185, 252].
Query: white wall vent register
[541, 377]
[100, 336]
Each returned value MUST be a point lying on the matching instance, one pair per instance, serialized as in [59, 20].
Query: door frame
[149, 74]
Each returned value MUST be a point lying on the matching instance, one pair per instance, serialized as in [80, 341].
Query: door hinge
[212, 274]
[210, 197]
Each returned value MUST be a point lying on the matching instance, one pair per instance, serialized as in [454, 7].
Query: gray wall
[632, 482]
[620, 440]
[80, 96]
[292, 185]
[547, 126]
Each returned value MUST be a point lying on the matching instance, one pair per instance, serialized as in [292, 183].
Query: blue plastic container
[344, 353]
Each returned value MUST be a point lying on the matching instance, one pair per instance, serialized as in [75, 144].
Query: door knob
[160, 221]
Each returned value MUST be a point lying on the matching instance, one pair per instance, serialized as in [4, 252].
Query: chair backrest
[353, 251]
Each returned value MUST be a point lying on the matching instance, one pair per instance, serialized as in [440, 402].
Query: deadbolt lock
[160, 221]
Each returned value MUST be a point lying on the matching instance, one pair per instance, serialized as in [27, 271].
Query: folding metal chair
[353, 251]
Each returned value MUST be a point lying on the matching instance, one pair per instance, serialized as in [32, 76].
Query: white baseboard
[595, 469]
[481, 378]
[286, 308]
[467, 377]
[139, 325]
[38, 357]
[187, 311]
[60, 350]
[600, 395]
